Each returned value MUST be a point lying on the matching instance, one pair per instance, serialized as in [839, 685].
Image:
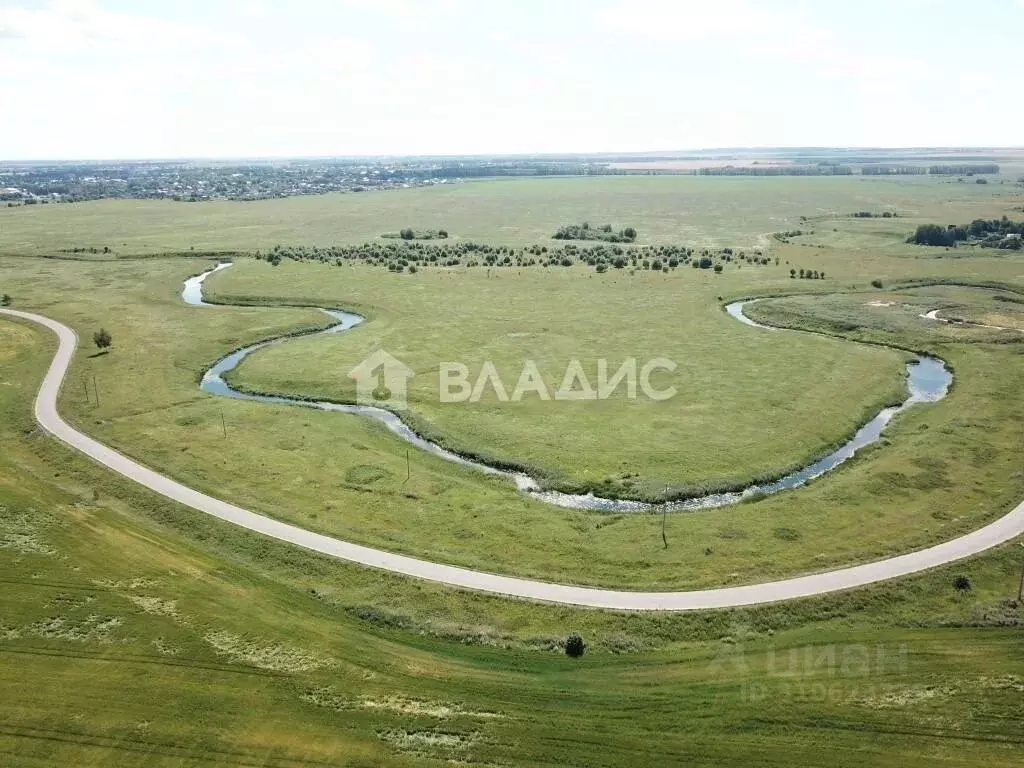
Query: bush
[102, 338]
[6, 301]
[962, 584]
[718, 267]
[876, 283]
[574, 645]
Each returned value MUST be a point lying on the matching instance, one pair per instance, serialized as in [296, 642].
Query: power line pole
[664, 519]
[1020, 589]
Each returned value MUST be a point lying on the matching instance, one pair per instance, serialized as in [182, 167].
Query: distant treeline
[778, 170]
[921, 170]
[963, 170]
[988, 233]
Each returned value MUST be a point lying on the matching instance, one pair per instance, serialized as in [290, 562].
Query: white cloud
[68, 23]
[729, 23]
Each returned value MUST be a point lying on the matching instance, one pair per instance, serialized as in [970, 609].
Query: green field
[139, 631]
[713, 211]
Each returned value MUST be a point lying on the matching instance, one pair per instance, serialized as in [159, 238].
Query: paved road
[1003, 529]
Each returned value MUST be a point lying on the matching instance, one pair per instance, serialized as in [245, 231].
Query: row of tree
[413, 256]
[585, 232]
[778, 170]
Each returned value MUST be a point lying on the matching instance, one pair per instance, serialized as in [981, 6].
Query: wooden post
[408, 467]
[223, 424]
[96, 389]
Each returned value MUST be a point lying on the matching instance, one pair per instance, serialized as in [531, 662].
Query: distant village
[24, 184]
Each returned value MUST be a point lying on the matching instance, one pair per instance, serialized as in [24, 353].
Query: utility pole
[664, 518]
[1020, 589]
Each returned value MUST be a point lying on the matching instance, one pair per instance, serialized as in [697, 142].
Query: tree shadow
[100, 353]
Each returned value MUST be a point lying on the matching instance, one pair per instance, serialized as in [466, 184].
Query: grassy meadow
[748, 404]
[135, 630]
[346, 476]
[702, 211]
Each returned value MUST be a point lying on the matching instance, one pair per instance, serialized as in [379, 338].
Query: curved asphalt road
[1003, 529]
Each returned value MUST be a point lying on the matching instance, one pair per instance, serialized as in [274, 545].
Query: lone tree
[102, 338]
[6, 300]
[574, 645]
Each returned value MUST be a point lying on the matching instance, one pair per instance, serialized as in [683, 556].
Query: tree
[407, 234]
[629, 233]
[102, 338]
[443, 234]
[574, 645]
[6, 300]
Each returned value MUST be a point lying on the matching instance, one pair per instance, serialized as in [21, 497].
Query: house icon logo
[381, 381]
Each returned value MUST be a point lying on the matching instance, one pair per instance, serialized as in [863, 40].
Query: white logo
[381, 380]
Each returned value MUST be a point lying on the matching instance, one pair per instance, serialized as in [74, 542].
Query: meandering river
[928, 380]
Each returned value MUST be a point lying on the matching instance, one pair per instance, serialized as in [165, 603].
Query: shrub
[6, 301]
[102, 338]
[876, 283]
[962, 584]
[574, 645]
[718, 267]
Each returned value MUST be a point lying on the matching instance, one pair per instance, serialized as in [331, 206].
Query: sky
[97, 79]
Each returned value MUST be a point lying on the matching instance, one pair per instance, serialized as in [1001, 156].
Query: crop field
[136, 630]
